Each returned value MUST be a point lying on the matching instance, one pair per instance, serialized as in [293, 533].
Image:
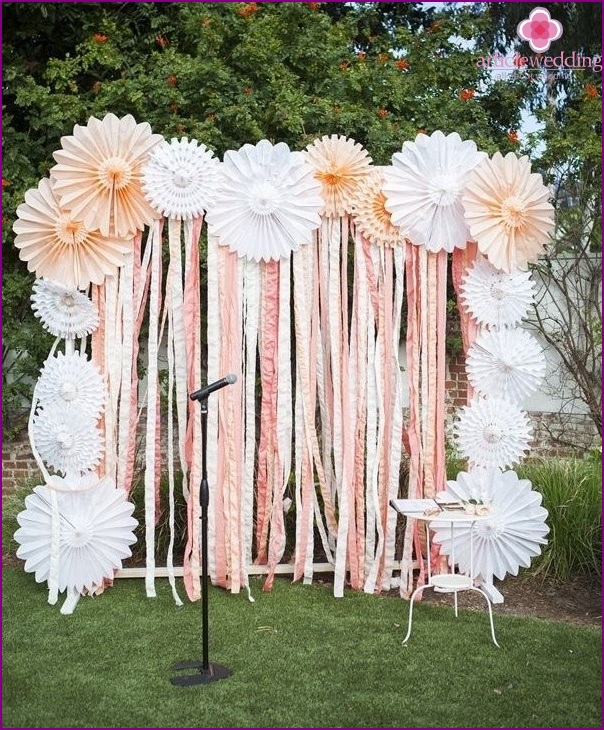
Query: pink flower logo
[539, 30]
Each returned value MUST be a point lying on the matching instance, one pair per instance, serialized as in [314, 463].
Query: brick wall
[553, 433]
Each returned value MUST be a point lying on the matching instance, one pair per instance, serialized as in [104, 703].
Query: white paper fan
[508, 538]
[268, 203]
[508, 363]
[424, 186]
[492, 432]
[67, 439]
[494, 298]
[96, 530]
[71, 379]
[180, 179]
[64, 312]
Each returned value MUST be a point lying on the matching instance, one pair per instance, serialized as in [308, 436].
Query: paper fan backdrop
[506, 540]
[96, 532]
[424, 186]
[67, 439]
[495, 298]
[72, 380]
[340, 165]
[492, 432]
[508, 211]
[370, 214]
[268, 202]
[56, 244]
[180, 178]
[98, 174]
[508, 363]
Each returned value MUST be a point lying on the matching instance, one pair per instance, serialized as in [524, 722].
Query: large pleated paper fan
[72, 380]
[370, 214]
[508, 211]
[96, 531]
[98, 174]
[508, 363]
[340, 165]
[492, 432]
[508, 538]
[58, 245]
[495, 298]
[424, 186]
[67, 439]
[268, 202]
[180, 179]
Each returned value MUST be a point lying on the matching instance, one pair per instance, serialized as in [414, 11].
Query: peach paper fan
[57, 245]
[508, 211]
[340, 165]
[98, 174]
[370, 214]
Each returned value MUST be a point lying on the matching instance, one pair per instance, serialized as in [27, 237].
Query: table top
[443, 515]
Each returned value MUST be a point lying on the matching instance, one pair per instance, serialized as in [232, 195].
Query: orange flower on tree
[591, 91]
[99, 37]
[361, 55]
[247, 90]
[314, 6]
[5, 184]
[383, 57]
[344, 65]
[466, 94]
[382, 113]
[402, 64]
[513, 136]
[171, 80]
[161, 41]
[248, 9]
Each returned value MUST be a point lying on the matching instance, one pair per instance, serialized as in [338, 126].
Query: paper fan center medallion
[115, 173]
[513, 212]
[264, 198]
[68, 390]
[70, 232]
[444, 189]
[492, 433]
[181, 181]
[492, 529]
[382, 215]
[81, 534]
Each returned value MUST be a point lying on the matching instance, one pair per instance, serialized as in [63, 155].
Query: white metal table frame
[449, 582]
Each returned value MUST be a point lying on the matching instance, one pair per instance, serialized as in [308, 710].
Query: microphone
[203, 393]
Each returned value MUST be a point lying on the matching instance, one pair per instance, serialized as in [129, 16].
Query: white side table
[448, 582]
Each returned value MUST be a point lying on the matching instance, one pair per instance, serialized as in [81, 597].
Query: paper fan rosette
[495, 298]
[58, 245]
[72, 380]
[98, 174]
[508, 211]
[424, 188]
[340, 165]
[508, 363]
[180, 178]
[370, 214]
[268, 202]
[96, 531]
[67, 439]
[64, 312]
[492, 432]
[508, 538]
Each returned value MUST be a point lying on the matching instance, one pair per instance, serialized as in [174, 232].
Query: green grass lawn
[300, 658]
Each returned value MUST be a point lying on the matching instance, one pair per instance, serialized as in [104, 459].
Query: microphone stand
[208, 671]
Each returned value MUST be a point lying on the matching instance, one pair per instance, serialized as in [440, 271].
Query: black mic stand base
[212, 673]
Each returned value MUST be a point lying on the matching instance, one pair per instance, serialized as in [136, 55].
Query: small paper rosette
[492, 432]
[64, 312]
[67, 439]
[180, 179]
[72, 380]
[495, 298]
[508, 363]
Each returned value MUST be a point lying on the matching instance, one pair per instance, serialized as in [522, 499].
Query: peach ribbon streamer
[462, 261]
